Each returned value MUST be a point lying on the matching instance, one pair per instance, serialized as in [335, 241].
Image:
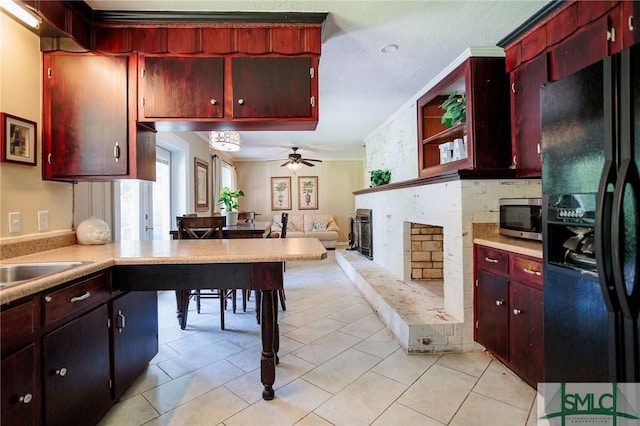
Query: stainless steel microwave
[521, 218]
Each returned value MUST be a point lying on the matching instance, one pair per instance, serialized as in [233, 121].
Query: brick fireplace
[427, 259]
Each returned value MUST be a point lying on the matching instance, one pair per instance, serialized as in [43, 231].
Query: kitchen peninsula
[134, 268]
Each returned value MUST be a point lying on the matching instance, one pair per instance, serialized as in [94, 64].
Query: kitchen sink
[17, 273]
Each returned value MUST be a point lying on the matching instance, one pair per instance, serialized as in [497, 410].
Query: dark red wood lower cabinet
[526, 322]
[492, 314]
[135, 336]
[20, 394]
[76, 371]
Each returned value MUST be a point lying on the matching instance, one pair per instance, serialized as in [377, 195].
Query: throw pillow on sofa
[319, 225]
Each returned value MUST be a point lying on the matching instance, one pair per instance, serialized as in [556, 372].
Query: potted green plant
[229, 201]
[455, 110]
[380, 177]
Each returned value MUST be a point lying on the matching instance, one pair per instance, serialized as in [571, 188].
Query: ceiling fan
[295, 160]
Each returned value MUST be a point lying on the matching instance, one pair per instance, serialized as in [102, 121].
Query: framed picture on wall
[281, 193]
[307, 192]
[201, 188]
[18, 140]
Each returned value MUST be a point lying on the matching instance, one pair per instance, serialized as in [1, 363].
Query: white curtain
[217, 182]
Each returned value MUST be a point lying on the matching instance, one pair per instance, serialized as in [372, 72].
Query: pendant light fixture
[225, 140]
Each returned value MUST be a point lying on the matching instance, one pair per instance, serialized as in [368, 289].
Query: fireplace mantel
[457, 175]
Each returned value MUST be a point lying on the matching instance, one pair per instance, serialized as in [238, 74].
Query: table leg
[182, 307]
[270, 341]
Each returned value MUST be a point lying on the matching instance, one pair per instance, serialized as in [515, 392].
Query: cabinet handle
[122, 322]
[517, 312]
[48, 299]
[116, 151]
[213, 101]
[81, 298]
[49, 158]
[25, 399]
[513, 87]
[241, 101]
[499, 302]
[532, 272]
[630, 22]
[538, 148]
[490, 260]
[62, 372]
[611, 35]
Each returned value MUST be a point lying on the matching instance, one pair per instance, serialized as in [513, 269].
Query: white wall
[21, 187]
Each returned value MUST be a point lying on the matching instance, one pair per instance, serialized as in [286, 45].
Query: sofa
[320, 226]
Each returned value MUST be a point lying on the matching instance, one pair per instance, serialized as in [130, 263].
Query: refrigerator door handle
[603, 235]
[628, 292]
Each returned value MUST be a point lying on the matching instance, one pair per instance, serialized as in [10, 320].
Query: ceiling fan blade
[286, 163]
[311, 159]
[307, 163]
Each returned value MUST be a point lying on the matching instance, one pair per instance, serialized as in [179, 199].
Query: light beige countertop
[488, 235]
[247, 250]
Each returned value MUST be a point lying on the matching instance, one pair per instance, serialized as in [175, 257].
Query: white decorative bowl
[93, 231]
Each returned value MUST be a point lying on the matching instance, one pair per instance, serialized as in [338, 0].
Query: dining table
[241, 230]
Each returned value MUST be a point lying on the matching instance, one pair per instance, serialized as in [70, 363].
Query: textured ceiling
[360, 87]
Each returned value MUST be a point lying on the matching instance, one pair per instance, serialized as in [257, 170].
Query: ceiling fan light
[225, 140]
[294, 166]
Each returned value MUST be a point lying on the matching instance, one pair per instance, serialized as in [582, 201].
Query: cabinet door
[526, 350]
[492, 315]
[179, 87]
[85, 116]
[20, 394]
[525, 107]
[135, 336]
[272, 87]
[76, 369]
[590, 44]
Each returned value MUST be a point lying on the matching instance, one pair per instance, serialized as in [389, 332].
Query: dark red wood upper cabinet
[630, 23]
[89, 119]
[85, 114]
[486, 130]
[525, 112]
[273, 87]
[181, 87]
[588, 45]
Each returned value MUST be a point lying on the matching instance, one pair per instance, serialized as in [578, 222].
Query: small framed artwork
[201, 174]
[307, 192]
[18, 140]
[281, 193]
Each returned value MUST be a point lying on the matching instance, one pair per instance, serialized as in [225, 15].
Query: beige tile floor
[339, 365]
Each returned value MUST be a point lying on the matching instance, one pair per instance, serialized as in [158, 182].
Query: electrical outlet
[15, 222]
[43, 220]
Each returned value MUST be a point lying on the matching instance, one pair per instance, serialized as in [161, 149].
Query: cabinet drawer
[19, 325]
[492, 260]
[75, 299]
[525, 269]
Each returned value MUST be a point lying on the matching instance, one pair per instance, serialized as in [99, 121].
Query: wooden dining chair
[202, 228]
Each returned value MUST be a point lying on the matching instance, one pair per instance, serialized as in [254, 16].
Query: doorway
[145, 207]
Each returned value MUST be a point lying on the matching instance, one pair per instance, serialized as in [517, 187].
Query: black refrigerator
[591, 193]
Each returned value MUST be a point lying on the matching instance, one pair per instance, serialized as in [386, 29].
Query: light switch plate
[15, 222]
[43, 220]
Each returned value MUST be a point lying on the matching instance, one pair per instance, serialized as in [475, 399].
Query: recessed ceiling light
[389, 48]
